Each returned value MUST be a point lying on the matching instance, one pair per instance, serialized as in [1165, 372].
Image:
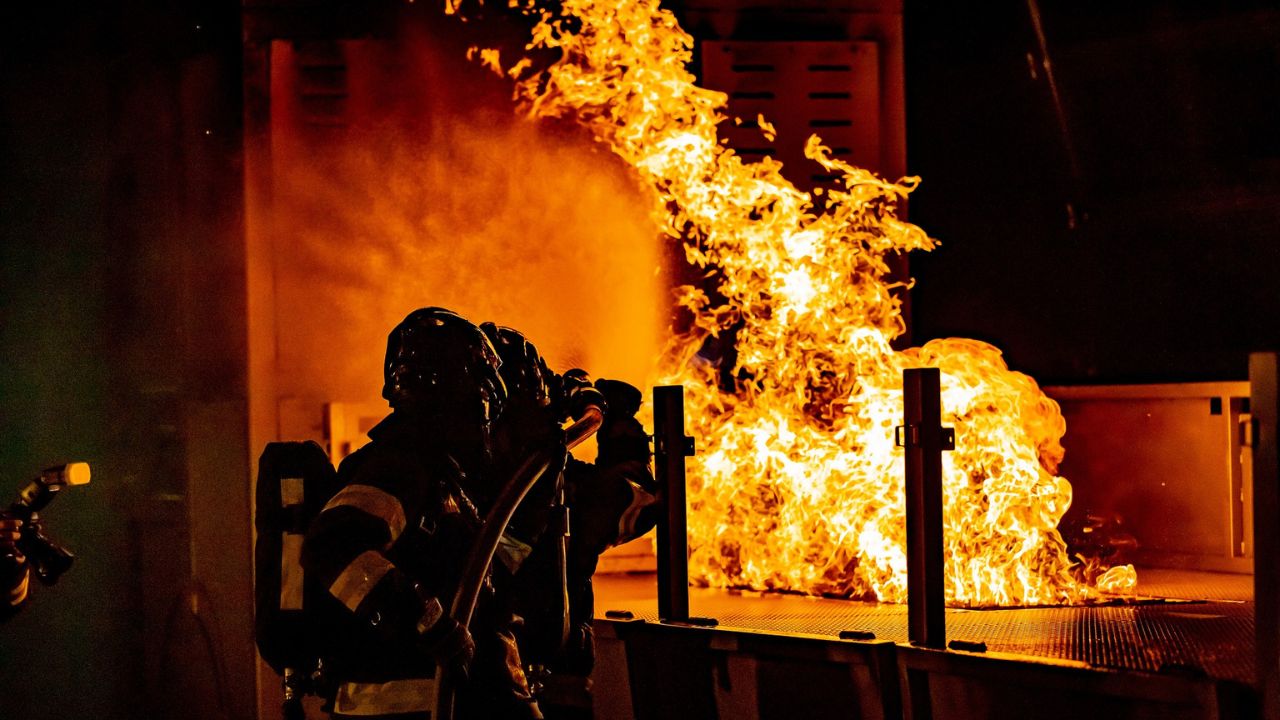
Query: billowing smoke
[439, 194]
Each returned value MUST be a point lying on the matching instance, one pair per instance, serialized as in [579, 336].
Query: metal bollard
[924, 439]
[670, 447]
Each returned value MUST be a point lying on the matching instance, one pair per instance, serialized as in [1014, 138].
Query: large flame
[799, 483]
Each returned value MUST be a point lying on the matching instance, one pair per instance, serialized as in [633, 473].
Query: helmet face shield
[439, 363]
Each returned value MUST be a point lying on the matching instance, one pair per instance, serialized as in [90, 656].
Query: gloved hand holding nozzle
[32, 547]
[578, 393]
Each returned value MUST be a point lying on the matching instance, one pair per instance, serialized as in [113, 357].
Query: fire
[799, 484]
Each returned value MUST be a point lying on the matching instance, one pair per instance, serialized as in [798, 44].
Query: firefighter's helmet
[440, 363]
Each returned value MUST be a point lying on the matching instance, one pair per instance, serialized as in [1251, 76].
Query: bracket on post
[905, 436]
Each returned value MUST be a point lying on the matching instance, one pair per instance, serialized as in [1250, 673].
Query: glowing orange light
[800, 484]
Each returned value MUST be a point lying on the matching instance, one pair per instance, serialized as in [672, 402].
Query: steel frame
[924, 439]
[1263, 407]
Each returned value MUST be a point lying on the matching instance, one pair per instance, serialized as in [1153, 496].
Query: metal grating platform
[1215, 636]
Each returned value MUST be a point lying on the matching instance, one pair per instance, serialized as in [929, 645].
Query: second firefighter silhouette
[545, 573]
[391, 543]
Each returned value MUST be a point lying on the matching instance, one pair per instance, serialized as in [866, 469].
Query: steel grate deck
[1216, 635]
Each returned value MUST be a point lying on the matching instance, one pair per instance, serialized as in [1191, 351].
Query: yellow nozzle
[76, 473]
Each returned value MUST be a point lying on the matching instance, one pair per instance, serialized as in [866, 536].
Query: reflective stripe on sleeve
[389, 698]
[512, 552]
[640, 499]
[359, 577]
[372, 501]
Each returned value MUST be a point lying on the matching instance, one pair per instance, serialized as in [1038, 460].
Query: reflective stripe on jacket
[388, 698]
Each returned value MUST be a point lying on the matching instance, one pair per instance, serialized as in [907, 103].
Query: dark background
[1169, 273]
[120, 317]
[121, 325]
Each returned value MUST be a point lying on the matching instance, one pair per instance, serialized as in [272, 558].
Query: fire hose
[495, 524]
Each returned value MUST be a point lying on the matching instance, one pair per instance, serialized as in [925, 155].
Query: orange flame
[799, 486]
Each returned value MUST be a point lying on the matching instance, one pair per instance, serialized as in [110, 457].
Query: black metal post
[923, 438]
[1263, 406]
[670, 447]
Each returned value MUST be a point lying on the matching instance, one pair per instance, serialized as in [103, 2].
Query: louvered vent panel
[322, 84]
[802, 88]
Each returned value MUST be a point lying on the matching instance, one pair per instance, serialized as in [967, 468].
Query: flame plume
[800, 485]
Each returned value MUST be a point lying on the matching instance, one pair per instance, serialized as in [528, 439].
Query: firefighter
[15, 573]
[390, 543]
[610, 501]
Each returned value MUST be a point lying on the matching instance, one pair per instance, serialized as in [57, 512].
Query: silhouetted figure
[543, 578]
[469, 405]
[391, 542]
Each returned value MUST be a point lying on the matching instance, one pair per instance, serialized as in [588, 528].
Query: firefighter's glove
[577, 393]
[622, 438]
[12, 562]
[14, 571]
[448, 642]
[624, 398]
